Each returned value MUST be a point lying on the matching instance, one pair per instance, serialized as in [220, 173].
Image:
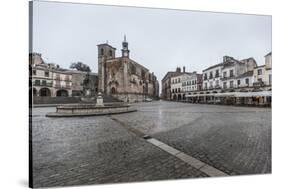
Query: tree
[80, 66]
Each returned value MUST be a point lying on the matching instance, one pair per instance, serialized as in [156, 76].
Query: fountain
[99, 108]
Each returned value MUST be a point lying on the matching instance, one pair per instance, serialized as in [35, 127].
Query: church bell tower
[125, 49]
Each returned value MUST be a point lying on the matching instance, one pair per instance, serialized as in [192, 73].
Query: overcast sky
[159, 39]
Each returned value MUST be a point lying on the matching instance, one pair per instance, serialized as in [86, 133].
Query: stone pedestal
[99, 100]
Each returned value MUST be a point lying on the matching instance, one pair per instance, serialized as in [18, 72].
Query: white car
[148, 100]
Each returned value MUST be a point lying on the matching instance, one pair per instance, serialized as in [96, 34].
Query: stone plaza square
[109, 149]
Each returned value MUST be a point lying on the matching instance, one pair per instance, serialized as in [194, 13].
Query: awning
[251, 94]
[234, 94]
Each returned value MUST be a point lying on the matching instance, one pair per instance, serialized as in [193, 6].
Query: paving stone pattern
[235, 140]
[108, 149]
[92, 150]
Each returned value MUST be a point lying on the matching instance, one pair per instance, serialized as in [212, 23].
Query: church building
[124, 78]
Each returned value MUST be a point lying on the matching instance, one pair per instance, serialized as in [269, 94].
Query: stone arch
[44, 92]
[179, 96]
[113, 90]
[183, 97]
[62, 92]
[34, 92]
[175, 97]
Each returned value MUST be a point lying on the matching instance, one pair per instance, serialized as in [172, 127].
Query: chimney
[184, 69]
[178, 69]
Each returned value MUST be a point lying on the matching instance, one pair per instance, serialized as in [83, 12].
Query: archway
[34, 92]
[183, 97]
[113, 90]
[175, 97]
[179, 97]
[45, 92]
[62, 92]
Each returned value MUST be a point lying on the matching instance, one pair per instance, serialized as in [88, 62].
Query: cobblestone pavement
[235, 140]
[91, 150]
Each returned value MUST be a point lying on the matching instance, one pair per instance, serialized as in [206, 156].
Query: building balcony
[226, 78]
[42, 84]
[259, 84]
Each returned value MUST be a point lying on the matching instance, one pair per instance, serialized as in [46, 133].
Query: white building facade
[48, 79]
[263, 74]
[212, 77]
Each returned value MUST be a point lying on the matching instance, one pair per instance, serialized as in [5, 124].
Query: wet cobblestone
[92, 150]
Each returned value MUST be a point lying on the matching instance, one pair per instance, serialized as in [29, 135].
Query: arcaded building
[124, 78]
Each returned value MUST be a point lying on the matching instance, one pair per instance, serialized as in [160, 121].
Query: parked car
[148, 100]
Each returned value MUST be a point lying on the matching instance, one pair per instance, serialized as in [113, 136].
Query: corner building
[124, 78]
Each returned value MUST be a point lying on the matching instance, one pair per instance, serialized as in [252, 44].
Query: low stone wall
[55, 100]
[89, 109]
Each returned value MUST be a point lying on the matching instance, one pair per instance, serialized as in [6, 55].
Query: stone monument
[99, 100]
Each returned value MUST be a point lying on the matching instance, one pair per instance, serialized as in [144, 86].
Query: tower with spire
[125, 49]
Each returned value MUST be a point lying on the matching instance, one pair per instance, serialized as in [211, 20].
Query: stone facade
[233, 81]
[185, 82]
[225, 75]
[48, 79]
[123, 77]
[78, 85]
[263, 74]
[166, 84]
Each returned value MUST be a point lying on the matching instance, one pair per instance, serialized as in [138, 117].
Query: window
[102, 52]
[211, 85]
[179, 79]
[33, 72]
[44, 83]
[224, 85]
[37, 82]
[179, 90]
[46, 74]
[238, 82]
[231, 73]
[247, 81]
[224, 74]
[205, 76]
[259, 71]
[217, 73]
[269, 79]
[211, 75]
[217, 83]
[110, 53]
[231, 84]
[205, 86]
[195, 82]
